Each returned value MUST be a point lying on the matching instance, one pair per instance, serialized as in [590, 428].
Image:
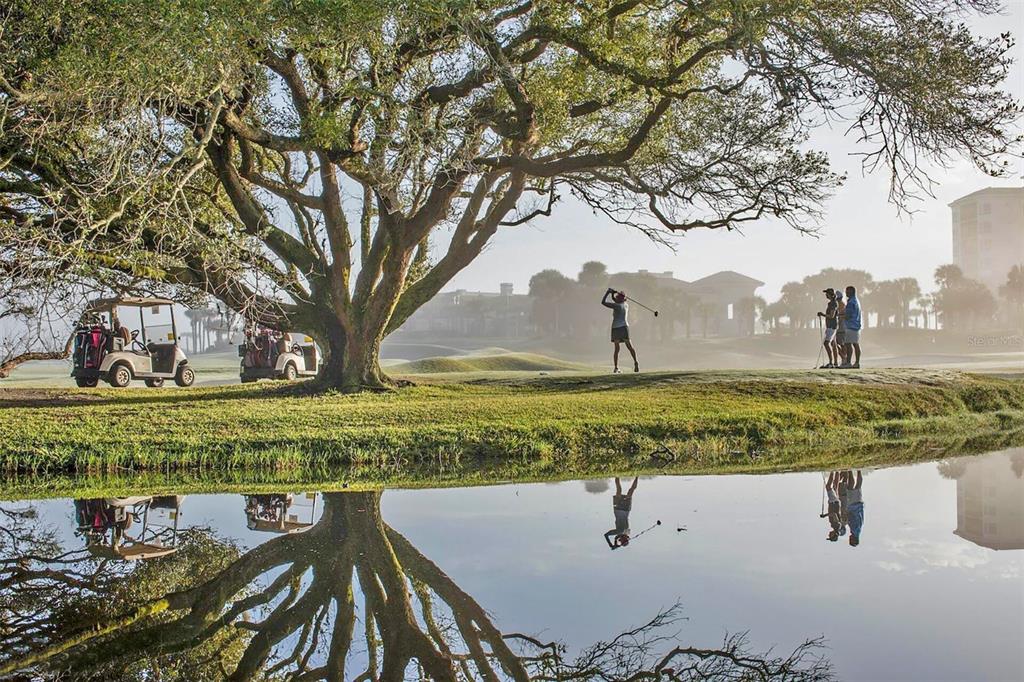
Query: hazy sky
[860, 228]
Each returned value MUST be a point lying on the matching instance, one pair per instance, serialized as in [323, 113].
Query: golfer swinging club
[620, 325]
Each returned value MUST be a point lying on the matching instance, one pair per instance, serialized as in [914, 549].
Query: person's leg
[828, 351]
[856, 350]
[615, 355]
[847, 353]
[632, 351]
[618, 486]
[636, 480]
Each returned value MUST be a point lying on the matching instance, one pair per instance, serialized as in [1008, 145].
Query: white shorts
[829, 335]
[852, 336]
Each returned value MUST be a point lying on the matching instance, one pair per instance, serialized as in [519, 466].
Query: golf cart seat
[284, 344]
[166, 502]
[163, 356]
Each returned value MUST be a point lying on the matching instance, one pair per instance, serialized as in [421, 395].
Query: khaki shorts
[620, 334]
[852, 336]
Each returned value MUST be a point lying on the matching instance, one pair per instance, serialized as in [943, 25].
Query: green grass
[495, 429]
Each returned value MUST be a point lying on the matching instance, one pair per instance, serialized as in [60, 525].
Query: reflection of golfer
[836, 517]
[621, 506]
[856, 506]
[620, 325]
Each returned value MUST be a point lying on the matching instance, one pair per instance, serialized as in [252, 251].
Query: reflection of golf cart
[268, 354]
[106, 524]
[107, 350]
[280, 512]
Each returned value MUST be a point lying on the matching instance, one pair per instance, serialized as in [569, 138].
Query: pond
[529, 581]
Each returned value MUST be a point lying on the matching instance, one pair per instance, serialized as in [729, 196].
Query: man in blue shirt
[852, 322]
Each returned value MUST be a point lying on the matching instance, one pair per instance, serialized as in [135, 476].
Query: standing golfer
[852, 321]
[620, 325]
[840, 344]
[831, 316]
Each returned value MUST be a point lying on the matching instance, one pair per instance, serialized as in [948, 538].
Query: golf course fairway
[489, 428]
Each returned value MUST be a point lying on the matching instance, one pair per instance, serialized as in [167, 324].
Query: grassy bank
[511, 427]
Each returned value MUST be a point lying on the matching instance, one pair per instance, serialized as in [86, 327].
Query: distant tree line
[211, 327]
[566, 307]
[957, 303]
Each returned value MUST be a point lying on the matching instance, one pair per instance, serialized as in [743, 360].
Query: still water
[522, 581]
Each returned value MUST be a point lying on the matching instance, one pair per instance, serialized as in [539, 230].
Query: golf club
[645, 530]
[824, 482]
[640, 304]
[821, 345]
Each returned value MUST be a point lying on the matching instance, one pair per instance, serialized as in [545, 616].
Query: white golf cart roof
[100, 304]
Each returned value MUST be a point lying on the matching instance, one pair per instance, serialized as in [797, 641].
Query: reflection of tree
[952, 468]
[295, 598]
[49, 594]
[1017, 463]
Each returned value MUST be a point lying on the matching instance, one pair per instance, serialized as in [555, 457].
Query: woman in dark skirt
[620, 325]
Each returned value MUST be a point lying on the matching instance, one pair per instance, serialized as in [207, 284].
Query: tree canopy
[330, 165]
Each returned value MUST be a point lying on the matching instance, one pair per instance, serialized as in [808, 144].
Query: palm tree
[908, 290]
[770, 315]
[593, 274]
[797, 303]
[884, 301]
[193, 316]
[548, 288]
[1013, 292]
[927, 307]
[747, 310]
[706, 312]
[683, 304]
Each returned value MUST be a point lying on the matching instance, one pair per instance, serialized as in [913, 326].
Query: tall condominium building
[988, 234]
[990, 500]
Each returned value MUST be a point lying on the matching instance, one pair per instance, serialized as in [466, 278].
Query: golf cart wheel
[185, 376]
[155, 383]
[120, 376]
[248, 380]
[87, 383]
[290, 373]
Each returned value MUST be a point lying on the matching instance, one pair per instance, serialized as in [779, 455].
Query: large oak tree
[330, 165]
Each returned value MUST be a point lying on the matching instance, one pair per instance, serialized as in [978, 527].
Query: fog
[860, 229]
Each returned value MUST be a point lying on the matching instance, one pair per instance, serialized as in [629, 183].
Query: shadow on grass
[56, 397]
[541, 385]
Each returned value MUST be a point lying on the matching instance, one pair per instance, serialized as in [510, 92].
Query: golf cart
[106, 524]
[274, 512]
[269, 354]
[106, 350]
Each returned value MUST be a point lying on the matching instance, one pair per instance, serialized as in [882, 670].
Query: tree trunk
[352, 363]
